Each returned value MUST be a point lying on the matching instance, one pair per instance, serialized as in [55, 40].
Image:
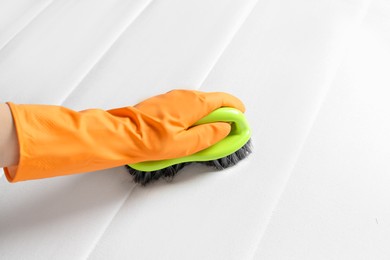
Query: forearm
[9, 147]
[42, 141]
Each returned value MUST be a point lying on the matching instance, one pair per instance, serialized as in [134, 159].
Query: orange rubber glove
[54, 140]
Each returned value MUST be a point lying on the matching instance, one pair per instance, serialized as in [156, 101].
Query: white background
[313, 76]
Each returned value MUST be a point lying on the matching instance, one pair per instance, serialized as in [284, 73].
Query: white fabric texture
[336, 203]
[280, 57]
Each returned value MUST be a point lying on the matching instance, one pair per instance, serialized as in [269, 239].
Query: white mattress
[280, 57]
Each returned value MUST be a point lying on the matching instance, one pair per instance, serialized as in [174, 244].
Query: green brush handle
[239, 135]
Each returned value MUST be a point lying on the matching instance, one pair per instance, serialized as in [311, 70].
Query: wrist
[9, 147]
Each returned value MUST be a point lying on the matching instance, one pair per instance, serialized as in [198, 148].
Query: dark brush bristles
[232, 159]
[146, 177]
[170, 172]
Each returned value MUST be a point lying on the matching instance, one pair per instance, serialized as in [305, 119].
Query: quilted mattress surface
[310, 73]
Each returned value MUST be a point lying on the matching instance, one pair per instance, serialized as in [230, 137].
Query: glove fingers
[203, 136]
[210, 101]
[221, 99]
[188, 105]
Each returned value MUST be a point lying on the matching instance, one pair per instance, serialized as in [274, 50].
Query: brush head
[168, 173]
[232, 159]
[223, 154]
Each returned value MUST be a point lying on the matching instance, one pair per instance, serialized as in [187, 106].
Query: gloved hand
[54, 140]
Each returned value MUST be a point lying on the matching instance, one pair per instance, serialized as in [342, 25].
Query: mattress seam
[104, 53]
[300, 149]
[92, 249]
[34, 17]
[224, 48]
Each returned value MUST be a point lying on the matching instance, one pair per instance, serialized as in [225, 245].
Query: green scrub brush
[227, 152]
